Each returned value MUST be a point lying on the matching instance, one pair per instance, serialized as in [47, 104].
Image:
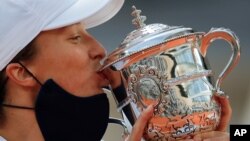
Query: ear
[18, 74]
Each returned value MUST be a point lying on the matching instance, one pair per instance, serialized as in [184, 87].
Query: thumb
[226, 112]
[140, 124]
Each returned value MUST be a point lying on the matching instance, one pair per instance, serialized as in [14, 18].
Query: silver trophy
[167, 66]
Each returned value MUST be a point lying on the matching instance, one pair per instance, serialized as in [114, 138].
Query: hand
[140, 124]
[114, 77]
[210, 136]
[219, 134]
[226, 112]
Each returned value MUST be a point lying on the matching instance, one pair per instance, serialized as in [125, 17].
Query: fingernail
[222, 95]
[150, 108]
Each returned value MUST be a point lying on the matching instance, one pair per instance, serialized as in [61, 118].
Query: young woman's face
[71, 57]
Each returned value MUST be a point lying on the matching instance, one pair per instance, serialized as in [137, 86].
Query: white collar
[2, 139]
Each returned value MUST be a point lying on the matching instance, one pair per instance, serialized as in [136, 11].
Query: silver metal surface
[174, 80]
[167, 66]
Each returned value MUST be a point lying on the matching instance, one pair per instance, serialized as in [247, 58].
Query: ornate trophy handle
[231, 38]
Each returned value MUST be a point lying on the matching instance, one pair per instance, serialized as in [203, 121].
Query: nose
[97, 51]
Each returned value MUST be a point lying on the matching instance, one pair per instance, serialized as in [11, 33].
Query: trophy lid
[144, 37]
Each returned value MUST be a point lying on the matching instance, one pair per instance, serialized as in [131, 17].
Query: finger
[226, 112]
[212, 136]
[187, 140]
[114, 77]
[140, 124]
[202, 136]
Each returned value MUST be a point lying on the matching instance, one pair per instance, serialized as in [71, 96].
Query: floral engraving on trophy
[173, 105]
[148, 82]
[148, 88]
[155, 132]
[144, 84]
[186, 129]
[187, 101]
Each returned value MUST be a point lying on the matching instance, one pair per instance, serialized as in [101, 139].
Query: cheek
[74, 71]
[63, 64]
[72, 66]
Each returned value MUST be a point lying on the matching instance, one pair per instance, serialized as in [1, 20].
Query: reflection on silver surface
[166, 66]
[178, 83]
[150, 80]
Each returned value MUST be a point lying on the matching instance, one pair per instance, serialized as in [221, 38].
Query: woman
[50, 85]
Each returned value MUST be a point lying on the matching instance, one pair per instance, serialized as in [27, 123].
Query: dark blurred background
[201, 15]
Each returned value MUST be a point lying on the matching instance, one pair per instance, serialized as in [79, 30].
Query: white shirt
[2, 139]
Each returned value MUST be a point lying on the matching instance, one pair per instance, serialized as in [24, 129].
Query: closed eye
[76, 39]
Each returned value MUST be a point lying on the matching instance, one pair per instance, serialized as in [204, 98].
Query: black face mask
[64, 117]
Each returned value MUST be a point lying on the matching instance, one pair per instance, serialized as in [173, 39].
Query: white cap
[22, 20]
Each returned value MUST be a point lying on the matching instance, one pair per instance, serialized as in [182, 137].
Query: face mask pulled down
[62, 116]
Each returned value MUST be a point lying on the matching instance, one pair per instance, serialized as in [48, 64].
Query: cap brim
[91, 13]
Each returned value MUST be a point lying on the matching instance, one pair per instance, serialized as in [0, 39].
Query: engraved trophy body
[167, 66]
